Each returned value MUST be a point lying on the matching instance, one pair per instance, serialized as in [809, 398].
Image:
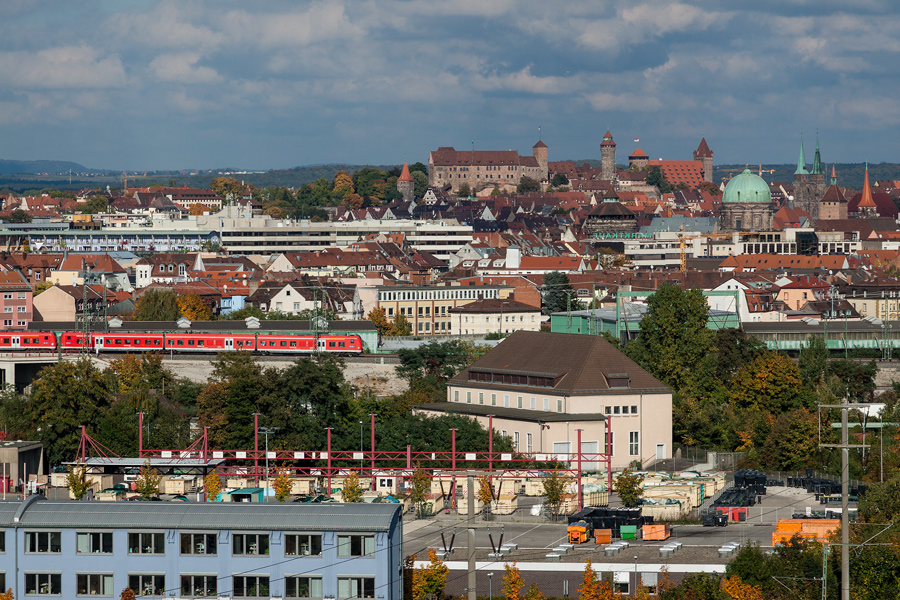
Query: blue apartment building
[201, 550]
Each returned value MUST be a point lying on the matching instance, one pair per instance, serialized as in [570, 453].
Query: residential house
[166, 267]
[427, 308]
[494, 316]
[16, 300]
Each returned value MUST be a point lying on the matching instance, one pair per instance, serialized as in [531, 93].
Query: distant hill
[11, 167]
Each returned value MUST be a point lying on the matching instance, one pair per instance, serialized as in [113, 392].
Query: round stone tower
[607, 157]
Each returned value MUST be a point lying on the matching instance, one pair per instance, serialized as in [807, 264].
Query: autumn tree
[793, 442]
[485, 492]
[342, 186]
[353, 491]
[592, 586]
[630, 488]
[429, 580]
[770, 383]
[127, 594]
[512, 582]
[738, 590]
[379, 319]
[283, 485]
[228, 189]
[192, 307]
[77, 483]
[157, 305]
[401, 326]
[212, 486]
[147, 483]
[199, 209]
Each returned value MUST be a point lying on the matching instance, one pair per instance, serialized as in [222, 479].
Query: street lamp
[266, 431]
[490, 586]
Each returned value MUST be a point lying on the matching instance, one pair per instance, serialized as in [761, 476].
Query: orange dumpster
[659, 531]
[603, 536]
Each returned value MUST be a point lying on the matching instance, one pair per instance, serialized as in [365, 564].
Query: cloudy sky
[273, 84]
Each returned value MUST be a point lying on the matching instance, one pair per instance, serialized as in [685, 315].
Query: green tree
[95, 205]
[858, 379]
[527, 184]
[419, 487]
[793, 442]
[813, 361]
[555, 484]
[437, 361]
[630, 488]
[558, 293]
[157, 305]
[147, 483]
[64, 397]
[657, 178]
[674, 337]
[77, 483]
[464, 190]
[19, 216]
[559, 179]
[401, 326]
[420, 183]
[353, 491]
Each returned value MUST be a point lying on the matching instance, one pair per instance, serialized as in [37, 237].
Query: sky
[146, 85]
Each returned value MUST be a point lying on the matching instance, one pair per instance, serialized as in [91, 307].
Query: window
[7, 296]
[20, 309]
[356, 587]
[147, 585]
[146, 543]
[42, 541]
[303, 587]
[634, 409]
[529, 444]
[616, 410]
[610, 442]
[8, 309]
[250, 586]
[199, 586]
[468, 397]
[303, 545]
[607, 410]
[356, 545]
[250, 543]
[493, 399]
[7, 322]
[634, 443]
[456, 395]
[94, 543]
[198, 543]
[547, 404]
[516, 441]
[45, 584]
[533, 403]
[94, 584]
[519, 401]
[480, 397]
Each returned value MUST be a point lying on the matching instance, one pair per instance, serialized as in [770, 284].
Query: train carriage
[208, 342]
[127, 342]
[17, 340]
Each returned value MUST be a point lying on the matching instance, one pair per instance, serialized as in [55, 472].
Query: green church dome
[747, 187]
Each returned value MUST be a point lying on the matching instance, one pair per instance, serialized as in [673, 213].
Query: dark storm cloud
[277, 84]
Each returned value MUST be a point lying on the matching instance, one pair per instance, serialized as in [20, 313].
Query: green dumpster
[628, 532]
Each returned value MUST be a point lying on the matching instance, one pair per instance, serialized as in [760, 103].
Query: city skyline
[165, 85]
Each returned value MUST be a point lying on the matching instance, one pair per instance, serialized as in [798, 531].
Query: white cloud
[183, 68]
[525, 81]
[624, 101]
[167, 25]
[60, 68]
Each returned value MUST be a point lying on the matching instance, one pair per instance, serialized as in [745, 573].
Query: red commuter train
[183, 343]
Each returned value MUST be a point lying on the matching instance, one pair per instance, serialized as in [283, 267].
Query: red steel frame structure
[382, 463]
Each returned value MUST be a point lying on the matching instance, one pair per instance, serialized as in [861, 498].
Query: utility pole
[844, 447]
[266, 431]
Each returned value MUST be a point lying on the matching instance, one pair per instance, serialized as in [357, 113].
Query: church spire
[817, 161]
[801, 161]
[833, 176]
[866, 201]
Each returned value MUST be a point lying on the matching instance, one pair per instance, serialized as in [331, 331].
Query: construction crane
[125, 179]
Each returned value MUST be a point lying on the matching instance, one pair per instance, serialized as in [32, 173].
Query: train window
[127, 342]
[293, 344]
[181, 342]
[191, 342]
[137, 342]
[156, 342]
[331, 344]
[341, 345]
[283, 344]
[201, 342]
[5, 340]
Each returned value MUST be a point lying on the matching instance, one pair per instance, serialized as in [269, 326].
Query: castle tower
[607, 157]
[405, 184]
[540, 152]
[867, 209]
[638, 160]
[833, 204]
[705, 156]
